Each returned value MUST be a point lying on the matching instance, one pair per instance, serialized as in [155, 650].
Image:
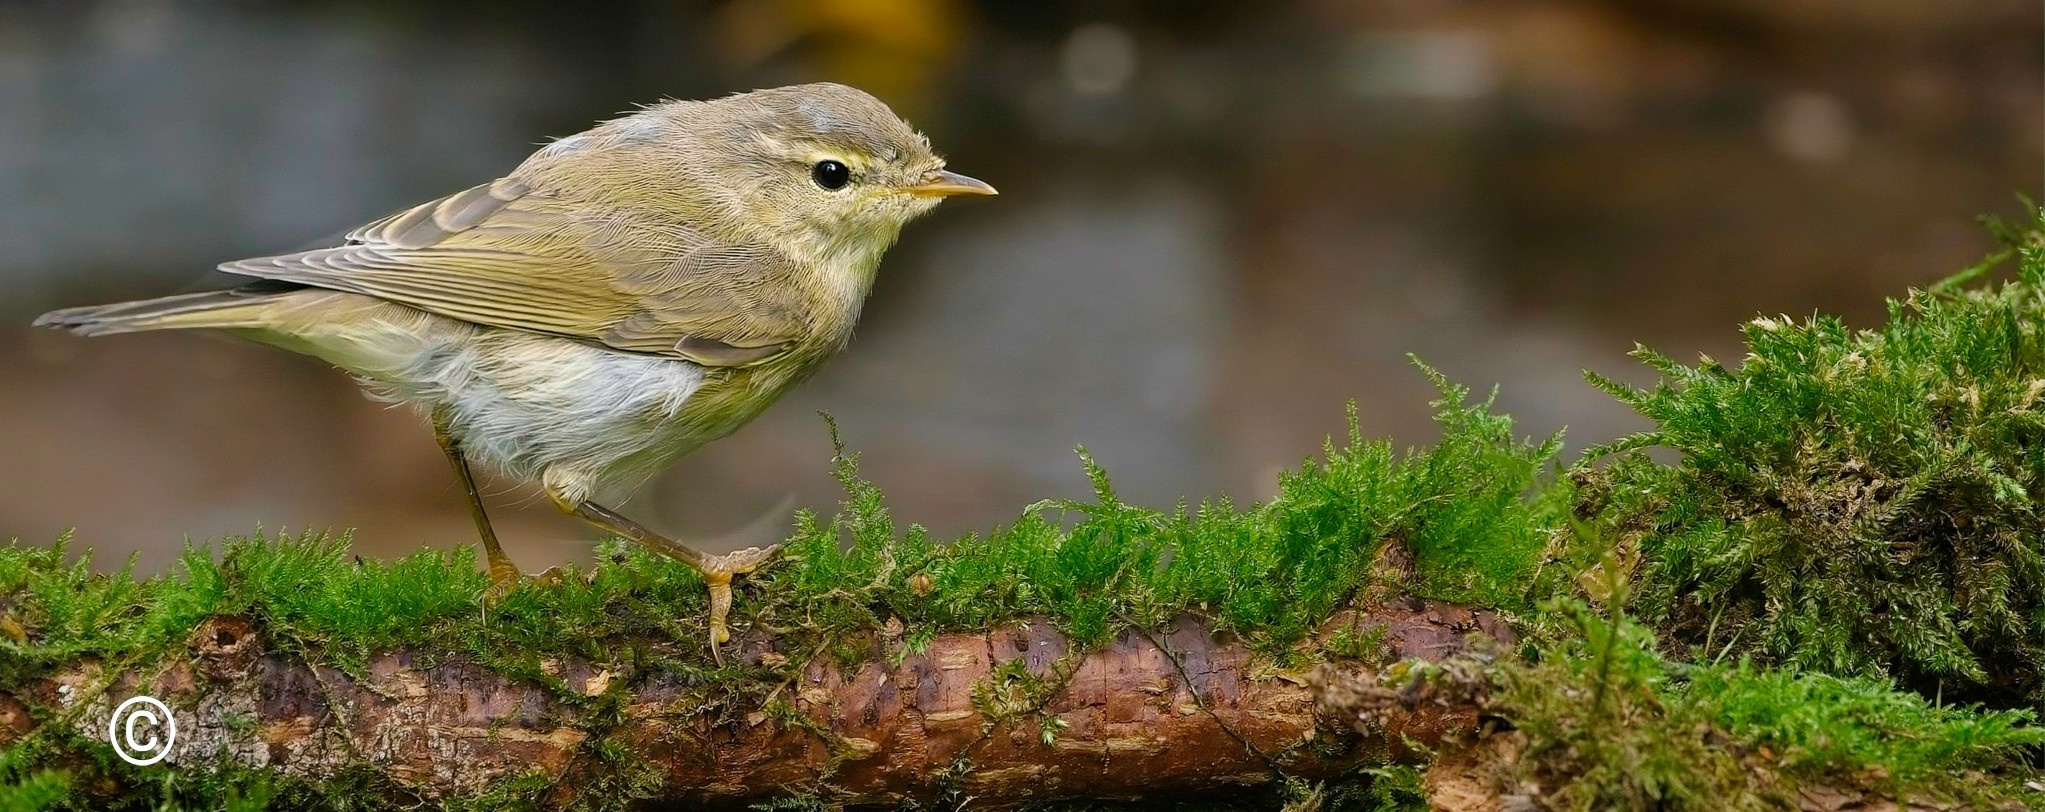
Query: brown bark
[1154, 714]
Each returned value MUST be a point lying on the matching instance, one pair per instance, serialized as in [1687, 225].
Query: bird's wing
[506, 255]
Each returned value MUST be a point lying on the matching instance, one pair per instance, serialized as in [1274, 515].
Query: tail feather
[240, 307]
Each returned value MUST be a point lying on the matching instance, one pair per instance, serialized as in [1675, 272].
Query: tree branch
[1155, 713]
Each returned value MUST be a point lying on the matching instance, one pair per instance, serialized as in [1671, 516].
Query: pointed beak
[944, 183]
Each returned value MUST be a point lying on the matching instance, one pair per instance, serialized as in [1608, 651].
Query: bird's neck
[839, 275]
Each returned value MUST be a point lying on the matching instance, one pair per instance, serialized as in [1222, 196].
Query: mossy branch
[1854, 517]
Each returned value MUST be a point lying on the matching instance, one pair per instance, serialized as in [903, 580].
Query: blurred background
[1218, 222]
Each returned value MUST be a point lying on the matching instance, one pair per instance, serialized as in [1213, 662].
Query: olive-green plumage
[622, 297]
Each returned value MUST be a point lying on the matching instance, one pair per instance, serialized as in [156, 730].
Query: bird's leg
[503, 573]
[717, 570]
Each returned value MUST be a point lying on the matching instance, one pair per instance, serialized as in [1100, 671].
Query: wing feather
[506, 255]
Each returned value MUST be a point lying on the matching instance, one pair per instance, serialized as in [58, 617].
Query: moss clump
[1854, 501]
[311, 597]
[1609, 724]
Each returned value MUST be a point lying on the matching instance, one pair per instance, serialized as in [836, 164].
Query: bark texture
[1005, 717]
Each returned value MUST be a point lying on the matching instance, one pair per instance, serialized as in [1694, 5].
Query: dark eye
[830, 175]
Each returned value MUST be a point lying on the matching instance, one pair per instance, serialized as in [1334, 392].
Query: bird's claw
[741, 562]
[718, 570]
[504, 576]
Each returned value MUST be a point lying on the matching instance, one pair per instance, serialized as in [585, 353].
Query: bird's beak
[942, 183]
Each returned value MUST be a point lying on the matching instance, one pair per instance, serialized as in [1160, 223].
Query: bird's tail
[240, 307]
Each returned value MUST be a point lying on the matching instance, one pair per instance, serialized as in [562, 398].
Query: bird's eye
[831, 175]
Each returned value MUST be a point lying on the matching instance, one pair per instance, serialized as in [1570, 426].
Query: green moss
[1610, 724]
[1367, 644]
[25, 787]
[1855, 501]
[89, 778]
[1396, 788]
[1271, 572]
[59, 609]
[1817, 724]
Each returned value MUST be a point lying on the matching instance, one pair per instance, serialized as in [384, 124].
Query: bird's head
[826, 172]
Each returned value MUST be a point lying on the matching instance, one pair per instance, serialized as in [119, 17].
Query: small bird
[621, 298]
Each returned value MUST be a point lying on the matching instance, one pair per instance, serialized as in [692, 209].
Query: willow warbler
[621, 298]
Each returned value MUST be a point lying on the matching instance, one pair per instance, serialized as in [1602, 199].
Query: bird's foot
[718, 571]
[556, 576]
[504, 576]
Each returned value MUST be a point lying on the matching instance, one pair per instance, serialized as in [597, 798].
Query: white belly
[529, 403]
[576, 415]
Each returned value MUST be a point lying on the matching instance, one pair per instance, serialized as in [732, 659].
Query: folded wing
[506, 255]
